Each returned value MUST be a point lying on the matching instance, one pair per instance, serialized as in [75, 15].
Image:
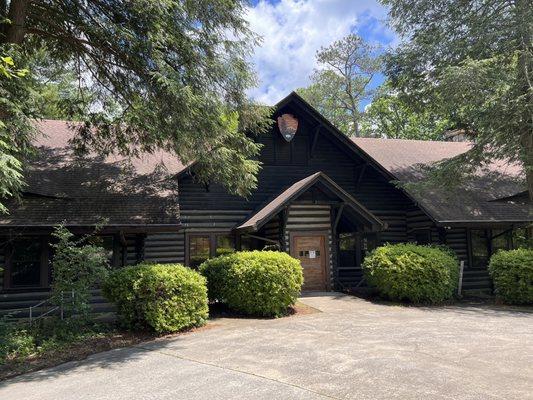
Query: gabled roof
[83, 191]
[268, 210]
[400, 160]
[471, 202]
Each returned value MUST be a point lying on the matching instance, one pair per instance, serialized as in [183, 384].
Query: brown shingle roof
[61, 187]
[470, 202]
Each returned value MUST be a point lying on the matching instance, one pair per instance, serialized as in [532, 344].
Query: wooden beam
[315, 140]
[262, 238]
[338, 217]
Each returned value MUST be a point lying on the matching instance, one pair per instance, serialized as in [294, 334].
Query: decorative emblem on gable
[288, 125]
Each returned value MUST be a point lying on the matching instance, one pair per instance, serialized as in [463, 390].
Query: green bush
[512, 273]
[262, 283]
[215, 271]
[408, 272]
[161, 297]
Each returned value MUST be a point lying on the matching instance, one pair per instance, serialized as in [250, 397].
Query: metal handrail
[51, 310]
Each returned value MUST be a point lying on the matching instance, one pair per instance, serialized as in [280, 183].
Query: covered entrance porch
[320, 224]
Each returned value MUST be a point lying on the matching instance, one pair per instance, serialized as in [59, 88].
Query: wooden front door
[310, 249]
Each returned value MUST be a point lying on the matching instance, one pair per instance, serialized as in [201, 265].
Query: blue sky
[293, 30]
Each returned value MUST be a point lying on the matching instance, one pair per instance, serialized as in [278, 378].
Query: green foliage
[470, 61]
[408, 272]
[215, 271]
[15, 129]
[161, 297]
[19, 341]
[77, 267]
[390, 116]
[262, 283]
[15, 342]
[346, 69]
[122, 68]
[512, 273]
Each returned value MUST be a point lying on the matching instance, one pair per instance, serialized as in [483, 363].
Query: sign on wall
[288, 125]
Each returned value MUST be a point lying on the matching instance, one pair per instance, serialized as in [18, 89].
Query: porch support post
[284, 219]
[338, 217]
[335, 244]
[124, 246]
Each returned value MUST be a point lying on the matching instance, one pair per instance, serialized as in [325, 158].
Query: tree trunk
[16, 30]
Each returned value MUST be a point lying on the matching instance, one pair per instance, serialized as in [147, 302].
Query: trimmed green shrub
[261, 283]
[215, 271]
[162, 297]
[512, 273]
[408, 272]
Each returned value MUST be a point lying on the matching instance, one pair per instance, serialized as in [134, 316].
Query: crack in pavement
[325, 395]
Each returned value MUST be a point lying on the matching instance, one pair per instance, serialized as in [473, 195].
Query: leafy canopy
[390, 116]
[147, 75]
[471, 61]
[342, 81]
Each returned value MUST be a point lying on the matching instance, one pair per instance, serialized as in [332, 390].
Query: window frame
[489, 232]
[425, 231]
[44, 264]
[212, 242]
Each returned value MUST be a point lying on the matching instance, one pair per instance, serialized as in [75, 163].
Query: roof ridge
[355, 139]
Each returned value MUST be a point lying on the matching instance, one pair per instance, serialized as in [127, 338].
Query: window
[25, 265]
[225, 244]
[479, 243]
[204, 246]
[486, 242]
[199, 250]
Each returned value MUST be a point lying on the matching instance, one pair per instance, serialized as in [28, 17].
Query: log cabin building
[323, 197]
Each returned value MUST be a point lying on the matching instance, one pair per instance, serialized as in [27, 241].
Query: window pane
[198, 250]
[225, 245]
[480, 248]
[501, 241]
[26, 262]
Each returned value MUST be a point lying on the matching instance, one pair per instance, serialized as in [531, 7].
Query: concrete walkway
[352, 349]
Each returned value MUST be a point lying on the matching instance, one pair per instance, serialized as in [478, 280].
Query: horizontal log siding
[131, 249]
[212, 220]
[418, 220]
[457, 240]
[2, 265]
[310, 218]
[167, 247]
[272, 230]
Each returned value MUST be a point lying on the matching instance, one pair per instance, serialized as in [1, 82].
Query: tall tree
[150, 74]
[472, 60]
[391, 116]
[342, 81]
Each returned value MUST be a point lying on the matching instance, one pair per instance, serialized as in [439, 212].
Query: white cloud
[293, 30]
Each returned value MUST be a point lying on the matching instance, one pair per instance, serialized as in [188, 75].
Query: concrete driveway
[352, 349]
